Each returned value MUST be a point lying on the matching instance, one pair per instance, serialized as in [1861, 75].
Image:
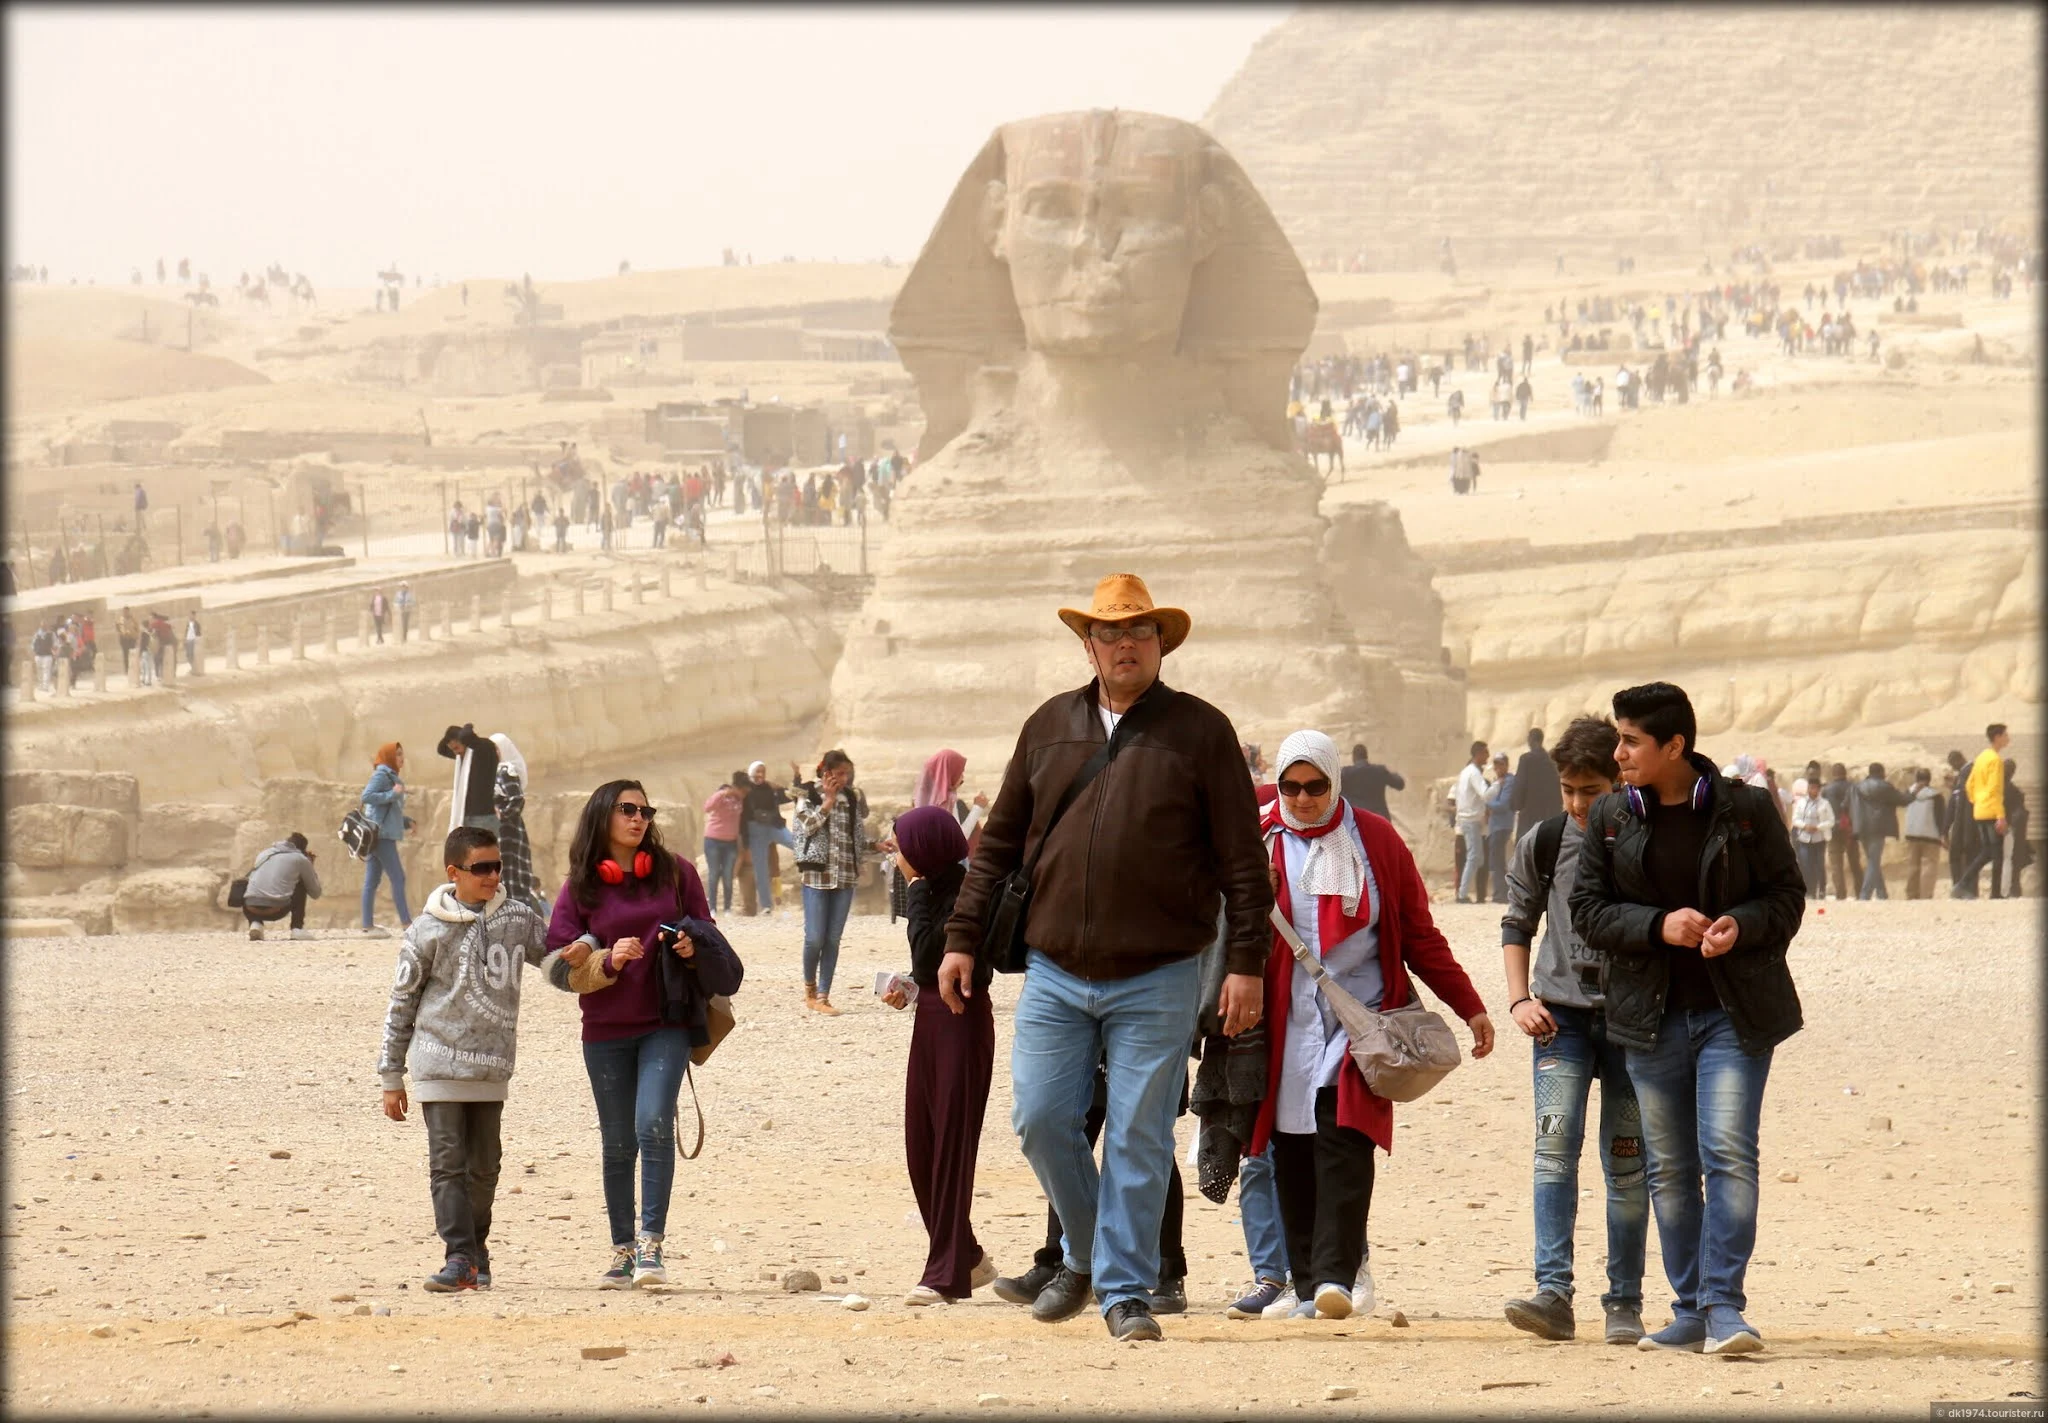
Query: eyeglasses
[1110, 634]
[482, 869]
[635, 812]
[1319, 787]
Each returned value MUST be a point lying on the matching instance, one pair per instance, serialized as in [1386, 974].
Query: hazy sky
[480, 142]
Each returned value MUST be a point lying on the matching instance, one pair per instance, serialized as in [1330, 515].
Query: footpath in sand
[203, 1200]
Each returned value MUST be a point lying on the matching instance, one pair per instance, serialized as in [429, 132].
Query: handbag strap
[1090, 769]
[691, 1155]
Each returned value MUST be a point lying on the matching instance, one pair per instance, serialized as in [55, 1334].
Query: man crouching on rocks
[1125, 894]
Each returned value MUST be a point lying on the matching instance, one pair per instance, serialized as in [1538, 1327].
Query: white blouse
[1316, 1043]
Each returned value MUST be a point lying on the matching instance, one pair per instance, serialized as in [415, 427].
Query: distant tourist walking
[1365, 785]
[380, 612]
[1926, 831]
[1812, 826]
[722, 811]
[765, 831]
[1986, 790]
[1469, 794]
[830, 838]
[1874, 814]
[384, 802]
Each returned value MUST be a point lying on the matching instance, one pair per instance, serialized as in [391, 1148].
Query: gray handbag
[1403, 1053]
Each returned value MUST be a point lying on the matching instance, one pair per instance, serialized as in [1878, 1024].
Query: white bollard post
[607, 592]
[476, 612]
[637, 591]
[99, 673]
[263, 643]
[333, 640]
[505, 614]
[665, 592]
[547, 603]
[299, 638]
[363, 628]
[579, 597]
[28, 679]
[448, 620]
[233, 655]
[63, 676]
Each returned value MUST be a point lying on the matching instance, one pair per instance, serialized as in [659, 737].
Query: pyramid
[1525, 133]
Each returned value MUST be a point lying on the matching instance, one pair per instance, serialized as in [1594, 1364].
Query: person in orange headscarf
[384, 803]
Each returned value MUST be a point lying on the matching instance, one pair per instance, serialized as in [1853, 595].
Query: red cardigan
[1409, 939]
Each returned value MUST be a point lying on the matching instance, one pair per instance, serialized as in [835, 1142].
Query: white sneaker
[921, 1295]
[1281, 1307]
[376, 931]
[302, 933]
[1363, 1296]
[256, 932]
[1333, 1301]
[985, 1273]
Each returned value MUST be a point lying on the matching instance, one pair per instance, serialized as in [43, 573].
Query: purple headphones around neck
[1702, 792]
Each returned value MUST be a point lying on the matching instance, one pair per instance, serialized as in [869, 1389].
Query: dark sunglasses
[1320, 787]
[480, 868]
[635, 812]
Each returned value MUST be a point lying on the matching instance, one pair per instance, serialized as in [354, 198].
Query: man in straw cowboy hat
[1125, 895]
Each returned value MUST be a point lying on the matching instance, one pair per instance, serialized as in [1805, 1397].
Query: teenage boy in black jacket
[1687, 882]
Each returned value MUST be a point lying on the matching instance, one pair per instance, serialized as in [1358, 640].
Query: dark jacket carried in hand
[1747, 871]
[1133, 875]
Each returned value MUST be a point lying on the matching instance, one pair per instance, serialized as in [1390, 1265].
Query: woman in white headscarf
[1347, 883]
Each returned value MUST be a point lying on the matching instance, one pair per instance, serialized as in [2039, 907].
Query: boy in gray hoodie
[1559, 1006]
[453, 1018]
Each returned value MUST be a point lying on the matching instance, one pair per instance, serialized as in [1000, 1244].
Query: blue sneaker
[1688, 1332]
[1729, 1333]
[1253, 1305]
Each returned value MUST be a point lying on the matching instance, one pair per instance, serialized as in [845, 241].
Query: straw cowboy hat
[1122, 598]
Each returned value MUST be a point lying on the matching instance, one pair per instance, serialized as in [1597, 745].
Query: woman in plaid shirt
[830, 816]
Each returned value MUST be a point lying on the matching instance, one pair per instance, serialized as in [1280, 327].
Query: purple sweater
[633, 910]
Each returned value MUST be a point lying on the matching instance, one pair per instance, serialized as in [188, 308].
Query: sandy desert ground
[206, 1211]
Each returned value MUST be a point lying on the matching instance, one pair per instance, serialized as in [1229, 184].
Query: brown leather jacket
[1134, 873]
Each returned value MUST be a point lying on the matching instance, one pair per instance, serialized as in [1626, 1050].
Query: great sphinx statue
[1102, 326]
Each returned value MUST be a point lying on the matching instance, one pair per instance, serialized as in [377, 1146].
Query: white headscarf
[508, 755]
[1333, 864]
[756, 766]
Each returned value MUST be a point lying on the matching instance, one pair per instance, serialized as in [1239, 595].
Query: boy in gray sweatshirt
[1559, 1007]
[453, 1018]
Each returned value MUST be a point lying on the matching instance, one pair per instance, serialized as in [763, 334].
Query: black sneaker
[1027, 1287]
[1171, 1297]
[457, 1274]
[1064, 1298]
[1130, 1319]
[483, 1269]
[1546, 1314]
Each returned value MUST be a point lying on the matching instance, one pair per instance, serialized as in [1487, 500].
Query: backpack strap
[1549, 840]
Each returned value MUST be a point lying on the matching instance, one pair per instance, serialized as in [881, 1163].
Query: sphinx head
[1104, 233]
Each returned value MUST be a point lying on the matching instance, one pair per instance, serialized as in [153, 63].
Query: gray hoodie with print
[454, 1009]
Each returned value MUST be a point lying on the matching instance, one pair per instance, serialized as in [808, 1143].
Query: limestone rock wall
[1520, 132]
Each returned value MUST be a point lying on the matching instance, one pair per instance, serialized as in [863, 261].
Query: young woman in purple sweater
[623, 885]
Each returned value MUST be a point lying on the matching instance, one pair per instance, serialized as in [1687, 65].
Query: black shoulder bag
[1010, 904]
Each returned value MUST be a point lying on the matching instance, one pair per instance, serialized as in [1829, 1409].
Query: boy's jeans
[1702, 1101]
[463, 1152]
[1564, 1074]
[1497, 842]
[1258, 1207]
[1142, 1025]
[635, 1082]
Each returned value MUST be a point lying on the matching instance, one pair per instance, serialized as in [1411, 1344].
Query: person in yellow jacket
[1986, 790]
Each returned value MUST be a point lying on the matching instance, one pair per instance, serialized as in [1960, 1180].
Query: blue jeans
[1873, 869]
[721, 857]
[635, 1082]
[1702, 1099]
[1813, 866]
[1142, 1026]
[759, 838]
[383, 863]
[1474, 836]
[825, 912]
[1258, 1207]
[1564, 1073]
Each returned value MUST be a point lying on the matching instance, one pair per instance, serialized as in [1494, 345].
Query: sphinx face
[1102, 220]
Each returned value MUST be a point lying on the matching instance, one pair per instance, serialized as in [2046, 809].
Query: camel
[1323, 439]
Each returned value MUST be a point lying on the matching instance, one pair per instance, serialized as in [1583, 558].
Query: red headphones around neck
[608, 869]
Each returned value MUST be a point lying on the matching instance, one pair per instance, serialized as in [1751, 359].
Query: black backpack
[1549, 840]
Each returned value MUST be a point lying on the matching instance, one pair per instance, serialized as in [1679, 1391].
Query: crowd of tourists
[1199, 929]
